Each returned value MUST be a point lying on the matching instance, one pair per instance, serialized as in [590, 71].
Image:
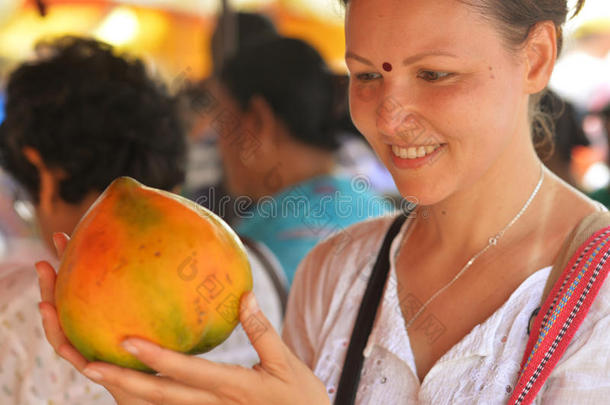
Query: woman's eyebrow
[351, 55]
[407, 61]
[412, 59]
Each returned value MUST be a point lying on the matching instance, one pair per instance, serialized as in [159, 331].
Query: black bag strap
[350, 376]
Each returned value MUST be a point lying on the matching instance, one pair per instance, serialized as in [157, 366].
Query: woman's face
[245, 160]
[435, 91]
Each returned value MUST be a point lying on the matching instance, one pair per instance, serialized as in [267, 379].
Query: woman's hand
[280, 377]
[53, 331]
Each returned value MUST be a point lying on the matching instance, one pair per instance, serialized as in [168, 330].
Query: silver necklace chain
[493, 241]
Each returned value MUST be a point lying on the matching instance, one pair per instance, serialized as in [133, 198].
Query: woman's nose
[394, 119]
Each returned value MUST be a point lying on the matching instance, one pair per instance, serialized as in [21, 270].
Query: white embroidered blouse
[480, 369]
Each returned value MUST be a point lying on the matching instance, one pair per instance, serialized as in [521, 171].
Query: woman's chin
[421, 193]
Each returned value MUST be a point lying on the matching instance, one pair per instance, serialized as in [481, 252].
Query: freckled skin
[120, 275]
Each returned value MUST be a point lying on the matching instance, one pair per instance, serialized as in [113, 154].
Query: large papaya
[145, 262]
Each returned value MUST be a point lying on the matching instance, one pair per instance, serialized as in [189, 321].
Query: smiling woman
[453, 120]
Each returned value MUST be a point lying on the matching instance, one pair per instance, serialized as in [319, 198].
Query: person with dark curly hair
[77, 117]
[80, 116]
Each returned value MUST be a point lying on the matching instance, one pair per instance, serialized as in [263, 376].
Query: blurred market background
[174, 37]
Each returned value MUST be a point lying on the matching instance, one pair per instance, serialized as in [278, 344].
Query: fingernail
[55, 241]
[251, 303]
[92, 374]
[36, 267]
[127, 345]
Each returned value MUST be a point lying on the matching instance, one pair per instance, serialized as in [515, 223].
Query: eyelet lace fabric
[480, 369]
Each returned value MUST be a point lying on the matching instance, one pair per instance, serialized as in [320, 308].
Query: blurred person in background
[277, 135]
[14, 218]
[204, 177]
[568, 133]
[204, 170]
[78, 117]
[584, 69]
[603, 194]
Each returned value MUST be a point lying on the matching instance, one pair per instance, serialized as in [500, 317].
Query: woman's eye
[367, 77]
[432, 76]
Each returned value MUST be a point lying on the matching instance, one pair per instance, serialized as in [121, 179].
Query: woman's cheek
[363, 98]
[365, 92]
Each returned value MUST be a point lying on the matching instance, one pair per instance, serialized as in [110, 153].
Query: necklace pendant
[493, 241]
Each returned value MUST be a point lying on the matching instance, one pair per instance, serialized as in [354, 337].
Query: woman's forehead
[424, 15]
[415, 25]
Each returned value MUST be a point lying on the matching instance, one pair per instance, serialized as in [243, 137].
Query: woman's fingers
[56, 337]
[50, 321]
[60, 240]
[193, 371]
[272, 351]
[155, 389]
[46, 280]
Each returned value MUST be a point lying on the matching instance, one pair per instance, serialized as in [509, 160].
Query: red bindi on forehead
[387, 67]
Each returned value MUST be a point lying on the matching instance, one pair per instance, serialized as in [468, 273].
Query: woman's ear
[261, 131]
[541, 54]
[49, 183]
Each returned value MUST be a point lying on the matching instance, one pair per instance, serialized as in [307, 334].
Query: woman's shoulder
[564, 209]
[573, 209]
[335, 264]
[346, 246]
[575, 202]
[329, 282]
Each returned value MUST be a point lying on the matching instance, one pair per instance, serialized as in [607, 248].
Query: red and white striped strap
[564, 310]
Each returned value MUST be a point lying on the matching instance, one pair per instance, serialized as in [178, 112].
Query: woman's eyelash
[433, 76]
[367, 77]
[428, 75]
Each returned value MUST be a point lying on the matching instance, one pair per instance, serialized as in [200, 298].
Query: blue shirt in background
[295, 220]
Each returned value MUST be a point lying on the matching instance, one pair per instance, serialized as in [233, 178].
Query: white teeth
[414, 152]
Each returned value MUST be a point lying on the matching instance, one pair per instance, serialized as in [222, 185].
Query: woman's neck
[295, 164]
[465, 221]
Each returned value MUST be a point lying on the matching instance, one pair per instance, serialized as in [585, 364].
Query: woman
[277, 136]
[456, 79]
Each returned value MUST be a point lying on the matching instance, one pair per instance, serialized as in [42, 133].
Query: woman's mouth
[414, 157]
[414, 152]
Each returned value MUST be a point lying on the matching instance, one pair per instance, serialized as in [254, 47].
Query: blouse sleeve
[296, 331]
[310, 298]
[30, 371]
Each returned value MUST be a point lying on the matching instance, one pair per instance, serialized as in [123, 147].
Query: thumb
[60, 240]
[261, 333]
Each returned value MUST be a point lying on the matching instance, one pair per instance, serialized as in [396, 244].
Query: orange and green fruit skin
[146, 263]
